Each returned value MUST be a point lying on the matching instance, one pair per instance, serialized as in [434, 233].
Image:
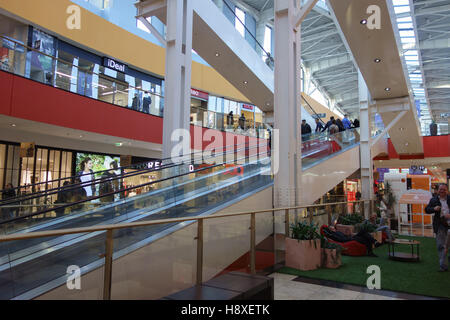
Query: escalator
[31, 267]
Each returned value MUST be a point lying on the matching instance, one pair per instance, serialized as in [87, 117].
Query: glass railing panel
[172, 267]
[20, 276]
[187, 197]
[321, 147]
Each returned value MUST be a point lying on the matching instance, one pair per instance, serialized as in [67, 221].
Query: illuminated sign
[112, 64]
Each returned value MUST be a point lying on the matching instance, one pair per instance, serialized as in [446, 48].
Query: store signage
[319, 116]
[27, 149]
[416, 170]
[248, 107]
[199, 94]
[112, 64]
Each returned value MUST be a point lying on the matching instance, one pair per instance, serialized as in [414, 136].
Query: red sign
[248, 107]
[199, 94]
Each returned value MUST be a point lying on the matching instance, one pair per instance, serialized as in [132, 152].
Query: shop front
[199, 108]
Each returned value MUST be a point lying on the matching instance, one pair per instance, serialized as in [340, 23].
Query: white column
[178, 72]
[366, 156]
[286, 106]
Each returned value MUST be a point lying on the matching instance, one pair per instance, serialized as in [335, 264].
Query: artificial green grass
[420, 278]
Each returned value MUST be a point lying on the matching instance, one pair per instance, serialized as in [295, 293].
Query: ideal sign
[199, 94]
[110, 63]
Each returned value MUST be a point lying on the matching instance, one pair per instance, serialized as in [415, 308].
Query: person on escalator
[64, 197]
[333, 127]
[340, 125]
[109, 184]
[319, 126]
[328, 125]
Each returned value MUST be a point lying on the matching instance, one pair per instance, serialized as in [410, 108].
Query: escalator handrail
[314, 111]
[122, 190]
[100, 180]
[71, 178]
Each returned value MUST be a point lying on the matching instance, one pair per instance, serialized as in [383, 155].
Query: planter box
[347, 230]
[331, 259]
[303, 255]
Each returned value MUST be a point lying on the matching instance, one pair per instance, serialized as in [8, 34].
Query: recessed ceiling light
[217, 54]
[13, 125]
[363, 21]
[407, 144]
[245, 82]
[401, 129]
[387, 89]
[377, 60]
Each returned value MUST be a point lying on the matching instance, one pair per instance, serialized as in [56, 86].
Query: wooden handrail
[41, 234]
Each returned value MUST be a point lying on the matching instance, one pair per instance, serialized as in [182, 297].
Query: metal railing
[109, 242]
[64, 75]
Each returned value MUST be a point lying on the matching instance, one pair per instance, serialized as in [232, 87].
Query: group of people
[333, 125]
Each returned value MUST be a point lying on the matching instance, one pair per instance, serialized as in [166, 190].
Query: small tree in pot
[303, 247]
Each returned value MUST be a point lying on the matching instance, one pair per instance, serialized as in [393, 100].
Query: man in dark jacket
[319, 125]
[439, 206]
[328, 125]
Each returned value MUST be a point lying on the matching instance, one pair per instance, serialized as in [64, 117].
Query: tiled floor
[287, 289]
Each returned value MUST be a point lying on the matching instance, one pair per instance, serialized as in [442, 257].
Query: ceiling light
[407, 144]
[217, 54]
[13, 125]
[401, 129]
[377, 60]
[387, 89]
[364, 21]
[81, 136]
[245, 82]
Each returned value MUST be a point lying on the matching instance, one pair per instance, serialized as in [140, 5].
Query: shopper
[9, 193]
[146, 103]
[78, 194]
[356, 123]
[230, 120]
[439, 206]
[109, 184]
[242, 122]
[328, 125]
[340, 125]
[64, 197]
[86, 175]
[362, 237]
[306, 129]
[319, 125]
[333, 127]
[346, 122]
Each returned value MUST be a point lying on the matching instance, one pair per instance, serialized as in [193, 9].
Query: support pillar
[365, 144]
[178, 75]
[286, 105]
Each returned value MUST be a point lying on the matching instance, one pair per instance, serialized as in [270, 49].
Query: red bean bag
[351, 248]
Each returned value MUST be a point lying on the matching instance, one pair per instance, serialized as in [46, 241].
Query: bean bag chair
[351, 248]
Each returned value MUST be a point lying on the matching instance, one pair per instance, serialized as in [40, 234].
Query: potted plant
[346, 223]
[303, 247]
[370, 228]
[331, 254]
[390, 201]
